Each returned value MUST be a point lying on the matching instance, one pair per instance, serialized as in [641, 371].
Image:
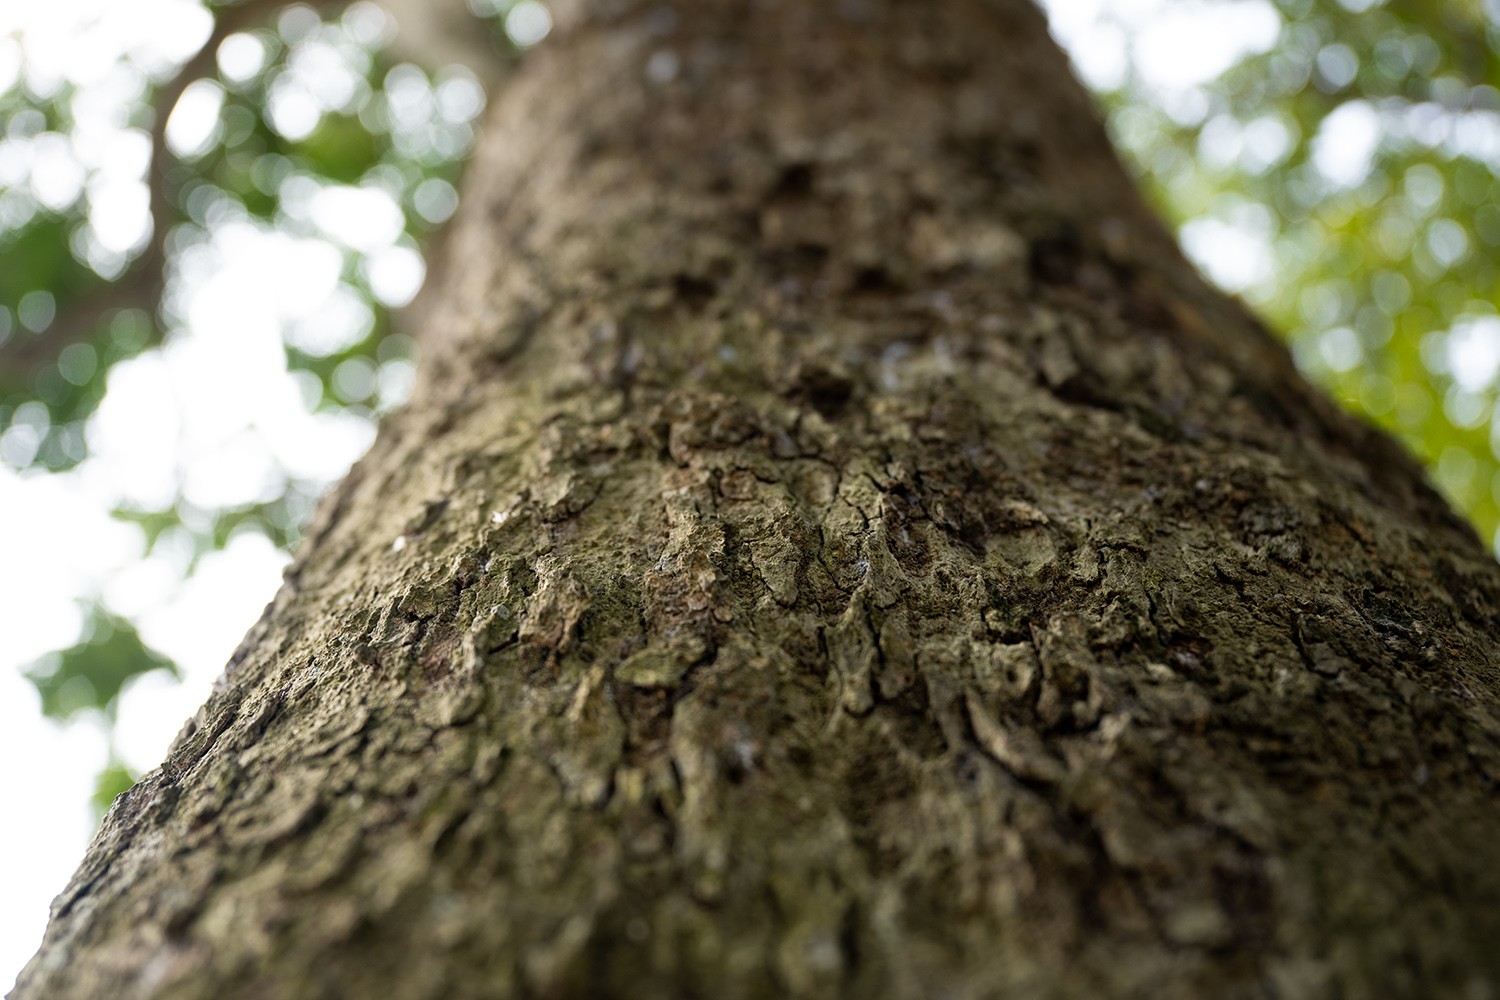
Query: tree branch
[142, 284]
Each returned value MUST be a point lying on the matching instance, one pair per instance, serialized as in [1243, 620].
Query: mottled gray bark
[837, 548]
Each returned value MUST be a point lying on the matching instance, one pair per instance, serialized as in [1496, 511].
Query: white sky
[215, 410]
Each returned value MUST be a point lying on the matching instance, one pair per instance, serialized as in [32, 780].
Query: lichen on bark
[837, 547]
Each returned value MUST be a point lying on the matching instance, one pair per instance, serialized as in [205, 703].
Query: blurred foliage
[92, 673]
[349, 115]
[1354, 170]
[88, 677]
[115, 779]
[1344, 180]
[310, 102]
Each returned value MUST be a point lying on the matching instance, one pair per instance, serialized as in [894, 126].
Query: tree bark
[837, 547]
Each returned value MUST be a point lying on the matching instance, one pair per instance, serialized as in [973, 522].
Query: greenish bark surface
[837, 548]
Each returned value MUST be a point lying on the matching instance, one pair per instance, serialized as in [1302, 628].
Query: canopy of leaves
[1345, 178]
[128, 187]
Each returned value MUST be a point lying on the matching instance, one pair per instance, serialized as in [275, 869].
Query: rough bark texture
[838, 549]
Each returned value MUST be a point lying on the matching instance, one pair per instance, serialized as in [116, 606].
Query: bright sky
[173, 418]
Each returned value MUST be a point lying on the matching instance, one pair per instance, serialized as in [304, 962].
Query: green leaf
[92, 673]
[340, 149]
[111, 782]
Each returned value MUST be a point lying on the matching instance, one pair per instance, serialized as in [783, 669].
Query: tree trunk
[837, 548]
